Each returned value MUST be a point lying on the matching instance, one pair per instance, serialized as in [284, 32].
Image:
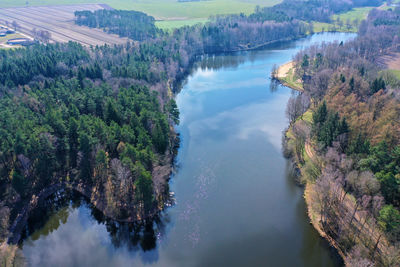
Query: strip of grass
[307, 116]
[291, 80]
[354, 14]
[173, 24]
[395, 73]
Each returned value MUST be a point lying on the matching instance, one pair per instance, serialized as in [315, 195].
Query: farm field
[358, 14]
[171, 12]
[58, 20]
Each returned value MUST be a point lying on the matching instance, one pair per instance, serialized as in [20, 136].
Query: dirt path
[309, 150]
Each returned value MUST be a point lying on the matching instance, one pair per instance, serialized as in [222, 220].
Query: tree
[173, 111]
[73, 142]
[144, 188]
[296, 106]
[46, 161]
[20, 184]
[389, 220]
[61, 153]
[390, 186]
[112, 113]
[15, 25]
[85, 164]
[160, 138]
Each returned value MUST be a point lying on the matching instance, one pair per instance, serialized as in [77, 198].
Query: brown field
[59, 21]
[391, 61]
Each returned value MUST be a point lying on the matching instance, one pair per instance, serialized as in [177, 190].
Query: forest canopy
[133, 24]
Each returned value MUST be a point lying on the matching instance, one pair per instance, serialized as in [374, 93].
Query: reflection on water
[236, 202]
[68, 219]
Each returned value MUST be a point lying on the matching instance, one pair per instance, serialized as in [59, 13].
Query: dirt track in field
[59, 21]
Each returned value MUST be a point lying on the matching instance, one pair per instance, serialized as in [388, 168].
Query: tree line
[354, 129]
[133, 24]
[101, 116]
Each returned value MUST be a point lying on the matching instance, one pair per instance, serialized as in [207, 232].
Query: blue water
[236, 202]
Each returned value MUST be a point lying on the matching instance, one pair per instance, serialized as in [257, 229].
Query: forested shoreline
[347, 151]
[101, 118]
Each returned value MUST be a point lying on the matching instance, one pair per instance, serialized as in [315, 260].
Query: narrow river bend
[236, 202]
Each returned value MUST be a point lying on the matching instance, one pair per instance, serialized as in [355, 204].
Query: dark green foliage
[144, 187]
[377, 84]
[269, 14]
[351, 84]
[389, 220]
[18, 67]
[62, 120]
[327, 126]
[133, 24]
[44, 158]
[342, 78]
[173, 111]
[390, 187]
[112, 113]
[384, 162]
[73, 142]
[315, 10]
[305, 63]
[358, 145]
[20, 184]
[85, 148]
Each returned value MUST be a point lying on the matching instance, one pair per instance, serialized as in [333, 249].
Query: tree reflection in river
[236, 204]
[58, 208]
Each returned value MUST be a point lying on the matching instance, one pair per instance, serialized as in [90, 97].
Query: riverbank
[285, 74]
[355, 226]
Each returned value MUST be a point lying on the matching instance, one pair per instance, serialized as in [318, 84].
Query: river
[237, 203]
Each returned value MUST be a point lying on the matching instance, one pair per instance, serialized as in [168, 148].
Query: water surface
[236, 202]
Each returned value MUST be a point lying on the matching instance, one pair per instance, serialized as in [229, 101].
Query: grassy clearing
[291, 80]
[329, 27]
[356, 14]
[173, 24]
[395, 73]
[307, 116]
[173, 13]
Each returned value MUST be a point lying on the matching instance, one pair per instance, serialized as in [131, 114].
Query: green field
[395, 73]
[350, 16]
[356, 13]
[292, 80]
[177, 14]
[173, 24]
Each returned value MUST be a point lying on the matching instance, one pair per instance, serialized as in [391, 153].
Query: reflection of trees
[47, 216]
[214, 62]
[273, 85]
[54, 211]
[134, 236]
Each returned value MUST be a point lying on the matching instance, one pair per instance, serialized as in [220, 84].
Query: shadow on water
[312, 238]
[54, 212]
[233, 120]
